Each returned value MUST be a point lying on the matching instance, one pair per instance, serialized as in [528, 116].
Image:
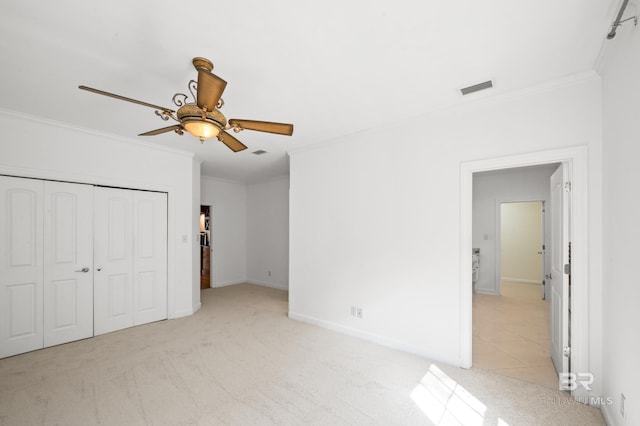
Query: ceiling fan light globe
[202, 129]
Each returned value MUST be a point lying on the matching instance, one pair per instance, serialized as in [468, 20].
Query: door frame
[576, 157]
[211, 228]
[212, 249]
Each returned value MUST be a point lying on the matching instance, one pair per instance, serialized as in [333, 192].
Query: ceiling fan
[202, 118]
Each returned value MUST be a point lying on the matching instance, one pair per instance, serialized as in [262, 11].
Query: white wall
[37, 148]
[620, 68]
[268, 233]
[491, 188]
[229, 229]
[375, 216]
[250, 231]
[195, 231]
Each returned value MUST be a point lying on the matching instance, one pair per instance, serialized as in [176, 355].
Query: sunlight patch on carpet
[445, 402]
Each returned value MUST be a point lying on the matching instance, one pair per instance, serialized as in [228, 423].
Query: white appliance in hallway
[475, 266]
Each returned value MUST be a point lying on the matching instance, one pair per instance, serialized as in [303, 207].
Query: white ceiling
[332, 68]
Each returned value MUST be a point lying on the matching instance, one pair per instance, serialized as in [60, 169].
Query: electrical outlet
[353, 311]
[359, 313]
[622, 400]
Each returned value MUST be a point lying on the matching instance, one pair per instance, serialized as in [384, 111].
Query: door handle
[85, 269]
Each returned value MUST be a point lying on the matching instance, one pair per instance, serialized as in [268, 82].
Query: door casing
[579, 223]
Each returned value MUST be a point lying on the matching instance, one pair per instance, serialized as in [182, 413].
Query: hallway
[511, 334]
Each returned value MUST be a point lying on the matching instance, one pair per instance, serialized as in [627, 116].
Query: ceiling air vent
[477, 87]
[259, 152]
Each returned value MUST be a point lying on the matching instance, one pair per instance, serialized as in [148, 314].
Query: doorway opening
[206, 250]
[575, 160]
[511, 319]
[521, 243]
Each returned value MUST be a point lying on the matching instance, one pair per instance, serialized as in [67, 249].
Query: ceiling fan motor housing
[199, 62]
[192, 112]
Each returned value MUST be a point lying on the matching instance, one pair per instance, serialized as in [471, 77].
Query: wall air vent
[477, 87]
[259, 152]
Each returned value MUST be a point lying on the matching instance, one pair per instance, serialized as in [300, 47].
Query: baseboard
[255, 282]
[374, 338]
[492, 292]
[186, 312]
[608, 415]
[520, 280]
[268, 284]
[227, 283]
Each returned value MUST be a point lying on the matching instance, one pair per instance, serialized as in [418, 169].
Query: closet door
[130, 232]
[68, 262]
[113, 259]
[21, 267]
[149, 257]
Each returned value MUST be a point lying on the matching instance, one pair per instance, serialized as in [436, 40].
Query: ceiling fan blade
[163, 130]
[123, 98]
[263, 126]
[234, 144]
[210, 88]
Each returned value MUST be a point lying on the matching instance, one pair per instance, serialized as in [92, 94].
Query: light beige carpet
[241, 361]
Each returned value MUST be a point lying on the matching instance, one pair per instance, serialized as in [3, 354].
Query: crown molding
[109, 136]
[488, 98]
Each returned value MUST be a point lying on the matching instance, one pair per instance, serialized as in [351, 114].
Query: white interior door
[68, 262]
[559, 256]
[113, 259]
[21, 265]
[149, 257]
[543, 250]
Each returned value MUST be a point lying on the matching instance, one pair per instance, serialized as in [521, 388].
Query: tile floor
[511, 334]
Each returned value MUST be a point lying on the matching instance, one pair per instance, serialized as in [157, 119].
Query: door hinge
[566, 351]
[567, 268]
[567, 186]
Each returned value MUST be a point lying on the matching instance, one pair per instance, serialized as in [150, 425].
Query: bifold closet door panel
[21, 265]
[113, 259]
[130, 258]
[68, 262]
[149, 257]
